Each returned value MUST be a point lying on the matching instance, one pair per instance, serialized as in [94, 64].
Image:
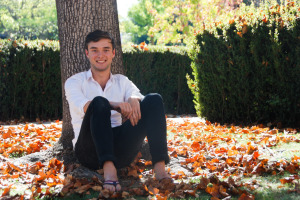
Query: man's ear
[114, 53]
[86, 53]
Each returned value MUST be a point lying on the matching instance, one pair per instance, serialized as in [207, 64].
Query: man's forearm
[133, 98]
[115, 106]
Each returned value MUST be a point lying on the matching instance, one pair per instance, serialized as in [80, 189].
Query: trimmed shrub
[161, 70]
[248, 69]
[30, 80]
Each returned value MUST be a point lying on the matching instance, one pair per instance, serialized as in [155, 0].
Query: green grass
[16, 155]
[271, 188]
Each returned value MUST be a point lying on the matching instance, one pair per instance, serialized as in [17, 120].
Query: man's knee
[152, 103]
[153, 98]
[100, 103]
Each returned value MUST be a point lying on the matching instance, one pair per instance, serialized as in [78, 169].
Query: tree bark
[76, 18]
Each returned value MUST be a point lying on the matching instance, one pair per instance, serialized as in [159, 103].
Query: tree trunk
[76, 18]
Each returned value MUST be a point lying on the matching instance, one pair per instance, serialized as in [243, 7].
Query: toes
[118, 188]
[110, 188]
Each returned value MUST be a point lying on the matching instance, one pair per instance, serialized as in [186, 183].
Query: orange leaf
[41, 176]
[14, 167]
[7, 134]
[26, 127]
[265, 140]
[274, 131]
[174, 154]
[153, 191]
[223, 192]
[158, 197]
[292, 169]
[195, 146]
[246, 197]
[232, 152]
[295, 158]
[255, 155]
[55, 163]
[245, 131]
[265, 20]
[214, 190]
[6, 191]
[229, 161]
[251, 149]
[245, 29]
[149, 162]
[15, 176]
[146, 188]
[133, 173]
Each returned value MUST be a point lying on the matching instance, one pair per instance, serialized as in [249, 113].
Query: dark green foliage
[30, 80]
[161, 70]
[251, 75]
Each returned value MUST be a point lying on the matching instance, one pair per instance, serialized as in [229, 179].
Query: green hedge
[161, 70]
[30, 82]
[248, 70]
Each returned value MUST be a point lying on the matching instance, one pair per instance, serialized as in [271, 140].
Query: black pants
[98, 142]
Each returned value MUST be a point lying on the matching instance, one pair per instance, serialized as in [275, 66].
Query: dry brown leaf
[83, 188]
[246, 197]
[133, 172]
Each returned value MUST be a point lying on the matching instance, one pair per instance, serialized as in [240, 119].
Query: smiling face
[100, 55]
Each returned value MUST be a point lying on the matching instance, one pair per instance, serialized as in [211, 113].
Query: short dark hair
[97, 35]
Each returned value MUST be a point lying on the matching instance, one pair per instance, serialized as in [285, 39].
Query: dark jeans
[98, 142]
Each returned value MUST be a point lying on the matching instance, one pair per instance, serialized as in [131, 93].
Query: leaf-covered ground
[218, 162]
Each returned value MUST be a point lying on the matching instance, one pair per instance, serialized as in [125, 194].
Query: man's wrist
[134, 97]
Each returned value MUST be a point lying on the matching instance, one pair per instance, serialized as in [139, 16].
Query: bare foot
[160, 171]
[110, 174]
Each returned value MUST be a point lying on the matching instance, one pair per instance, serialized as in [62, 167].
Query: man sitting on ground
[98, 100]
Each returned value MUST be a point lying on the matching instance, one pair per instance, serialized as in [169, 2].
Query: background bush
[30, 82]
[247, 69]
[161, 70]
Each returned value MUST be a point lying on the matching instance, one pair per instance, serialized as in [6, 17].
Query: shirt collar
[90, 76]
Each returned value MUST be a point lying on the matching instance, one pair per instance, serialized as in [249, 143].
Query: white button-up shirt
[81, 88]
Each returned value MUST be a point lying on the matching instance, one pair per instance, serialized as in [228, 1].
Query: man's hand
[122, 107]
[86, 106]
[136, 110]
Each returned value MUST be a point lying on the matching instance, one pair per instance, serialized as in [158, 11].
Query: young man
[98, 100]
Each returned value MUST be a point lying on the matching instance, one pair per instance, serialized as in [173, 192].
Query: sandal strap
[109, 182]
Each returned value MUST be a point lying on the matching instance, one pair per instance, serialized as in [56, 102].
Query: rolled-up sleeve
[132, 90]
[75, 96]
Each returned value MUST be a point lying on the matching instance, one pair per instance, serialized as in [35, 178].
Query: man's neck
[101, 77]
